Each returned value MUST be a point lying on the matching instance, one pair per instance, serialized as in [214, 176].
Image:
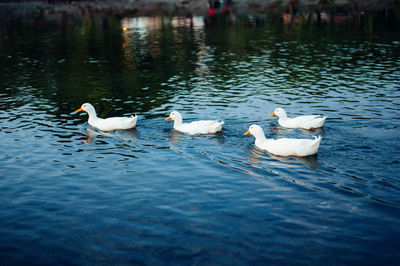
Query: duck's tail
[133, 121]
[322, 121]
[317, 140]
[218, 126]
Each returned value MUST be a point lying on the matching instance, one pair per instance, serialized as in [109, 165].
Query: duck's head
[87, 107]
[174, 115]
[279, 112]
[254, 130]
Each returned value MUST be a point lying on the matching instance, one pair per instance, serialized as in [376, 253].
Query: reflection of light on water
[145, 31]
[196, 22]
[144, 25]
[137, 25]
[288, 18]
[202, 69]
[133, 30]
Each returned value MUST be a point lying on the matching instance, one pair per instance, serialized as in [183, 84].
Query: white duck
[284, 146]
[305, 121]
[195, 127]
[107, 124]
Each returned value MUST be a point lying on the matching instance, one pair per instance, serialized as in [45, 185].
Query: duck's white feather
[201, 127]
[196, 127]
[284, 146]
[107, 124]
[305, 121]
[290, 147]
[113, 123]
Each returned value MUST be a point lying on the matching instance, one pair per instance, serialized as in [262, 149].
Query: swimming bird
[195, 127]
[284, 146]
[306, 121]
[107, 124]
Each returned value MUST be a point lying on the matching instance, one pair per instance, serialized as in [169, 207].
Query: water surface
[151, 195]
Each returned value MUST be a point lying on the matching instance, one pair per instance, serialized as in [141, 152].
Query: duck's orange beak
[247, 132]
[273, 114]
[79, 110]
[168, 118]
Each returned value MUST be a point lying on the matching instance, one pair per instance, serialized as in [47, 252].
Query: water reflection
[282, 131]
[147, 25]
[118, 64]
[128, 134]
[174, 137]
[257, 156]
[125, 136]
[92, 134]
[309, 161]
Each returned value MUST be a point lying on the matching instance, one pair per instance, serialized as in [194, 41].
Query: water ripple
[152, 194]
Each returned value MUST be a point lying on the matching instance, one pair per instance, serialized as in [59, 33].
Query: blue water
[151, 195]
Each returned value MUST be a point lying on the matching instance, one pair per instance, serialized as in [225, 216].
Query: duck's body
[284, 146]
[107, 124]
[113, 123]
[290, 147]
[305, 121]
[196, 127]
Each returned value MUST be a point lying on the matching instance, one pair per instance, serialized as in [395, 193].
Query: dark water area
[151, 195]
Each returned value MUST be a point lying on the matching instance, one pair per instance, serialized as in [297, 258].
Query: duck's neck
[177, 122]
[260, 139]
[283, 116]
[92, 114]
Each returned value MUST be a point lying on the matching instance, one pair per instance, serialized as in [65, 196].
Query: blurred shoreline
[289, 11]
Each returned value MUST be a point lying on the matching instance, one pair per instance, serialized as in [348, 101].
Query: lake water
[151, 195]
